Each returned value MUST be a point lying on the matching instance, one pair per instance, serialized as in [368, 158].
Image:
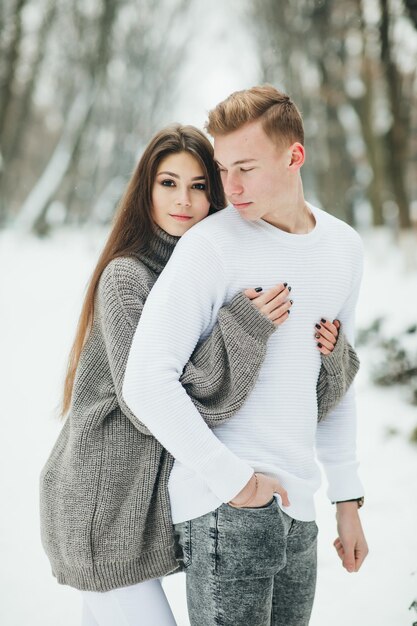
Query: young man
[242, 495]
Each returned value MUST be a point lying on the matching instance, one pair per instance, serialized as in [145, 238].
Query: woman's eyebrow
[168, 174]
[176, 175]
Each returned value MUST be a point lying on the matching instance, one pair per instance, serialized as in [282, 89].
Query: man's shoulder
[341, 229]
[222, 224]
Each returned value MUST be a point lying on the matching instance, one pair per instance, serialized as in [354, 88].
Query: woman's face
[179, 196]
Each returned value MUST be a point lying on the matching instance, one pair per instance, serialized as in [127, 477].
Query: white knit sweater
[276, 431]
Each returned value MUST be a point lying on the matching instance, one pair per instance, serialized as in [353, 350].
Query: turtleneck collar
[160, 248]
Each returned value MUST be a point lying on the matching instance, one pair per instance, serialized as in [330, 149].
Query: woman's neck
[159, 249]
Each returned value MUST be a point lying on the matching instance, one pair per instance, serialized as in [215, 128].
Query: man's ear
[297, 156]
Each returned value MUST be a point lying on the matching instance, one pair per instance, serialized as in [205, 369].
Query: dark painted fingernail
[319, 345]
[292, 302]
[258, 289]
[318, 326]
[317, 336]
[289, 288]
[285, 284]
[323, 321]
[289, 311]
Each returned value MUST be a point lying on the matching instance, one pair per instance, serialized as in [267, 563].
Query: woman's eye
[168, 183]
[249, 169]
[200, 186]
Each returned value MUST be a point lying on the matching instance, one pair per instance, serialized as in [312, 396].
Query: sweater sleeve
[222, 371]
[336, 435]
[119, 306]
[177, 313]
[337, 372]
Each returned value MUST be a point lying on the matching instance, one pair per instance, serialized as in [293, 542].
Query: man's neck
[295, 218]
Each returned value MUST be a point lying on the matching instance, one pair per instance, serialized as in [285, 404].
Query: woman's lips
[181, 218]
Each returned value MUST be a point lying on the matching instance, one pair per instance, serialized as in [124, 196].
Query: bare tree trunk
[363, 106]
[338, 180]
[411, 6]
[397, 136]
[23, 116]
[151, 83]
[11, 61]
[66, 154]
[282, 26]
[83, 43]
[37, 202]
[2, 21]
[97, 66]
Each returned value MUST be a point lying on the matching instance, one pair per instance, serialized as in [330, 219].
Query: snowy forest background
[83, 86]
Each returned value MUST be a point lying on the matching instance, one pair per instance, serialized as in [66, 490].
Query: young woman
[105, 515]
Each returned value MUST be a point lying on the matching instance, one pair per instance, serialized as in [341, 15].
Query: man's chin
[249, 216]
[246, 212]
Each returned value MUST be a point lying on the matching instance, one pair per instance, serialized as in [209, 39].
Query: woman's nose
[183, 199]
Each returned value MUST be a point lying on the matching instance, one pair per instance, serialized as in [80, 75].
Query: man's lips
[241, 205]
[180, 218]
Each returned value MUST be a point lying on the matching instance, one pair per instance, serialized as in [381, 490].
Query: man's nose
[232, 185]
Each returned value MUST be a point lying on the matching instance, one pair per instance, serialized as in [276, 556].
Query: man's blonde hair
[280, 118]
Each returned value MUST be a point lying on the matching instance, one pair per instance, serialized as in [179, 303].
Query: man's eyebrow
[176, 175]
[240, 162]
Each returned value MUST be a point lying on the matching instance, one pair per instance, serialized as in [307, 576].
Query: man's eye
[199, 186]
[167, 183]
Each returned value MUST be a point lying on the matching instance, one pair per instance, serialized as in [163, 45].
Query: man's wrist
[359, 501]
[238, 502]
[247, 493]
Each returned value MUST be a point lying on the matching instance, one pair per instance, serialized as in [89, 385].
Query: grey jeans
[249, 567]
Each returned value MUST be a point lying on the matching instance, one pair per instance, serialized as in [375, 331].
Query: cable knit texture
[105, 510]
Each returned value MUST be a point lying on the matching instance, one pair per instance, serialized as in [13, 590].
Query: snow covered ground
[41, 286]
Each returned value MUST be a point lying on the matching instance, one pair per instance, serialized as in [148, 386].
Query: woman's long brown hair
[133, 226]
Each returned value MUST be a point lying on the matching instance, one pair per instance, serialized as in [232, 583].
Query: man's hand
[262, 494]
[351, 544]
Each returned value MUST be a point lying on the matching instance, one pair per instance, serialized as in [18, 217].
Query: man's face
[255, 173]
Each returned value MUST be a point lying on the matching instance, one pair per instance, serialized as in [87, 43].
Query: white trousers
[144, 604]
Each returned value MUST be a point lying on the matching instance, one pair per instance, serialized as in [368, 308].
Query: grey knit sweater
[105, 514]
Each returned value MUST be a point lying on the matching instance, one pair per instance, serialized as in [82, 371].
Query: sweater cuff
[250, 318]
[344, 482]
[226, 474]
[333, 362]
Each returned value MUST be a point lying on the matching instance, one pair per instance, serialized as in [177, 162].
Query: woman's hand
[273, 303]
[326, 335]
[258, 492]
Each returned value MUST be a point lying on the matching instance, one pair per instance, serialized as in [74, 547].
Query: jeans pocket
[253, 508]
[251, 542]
